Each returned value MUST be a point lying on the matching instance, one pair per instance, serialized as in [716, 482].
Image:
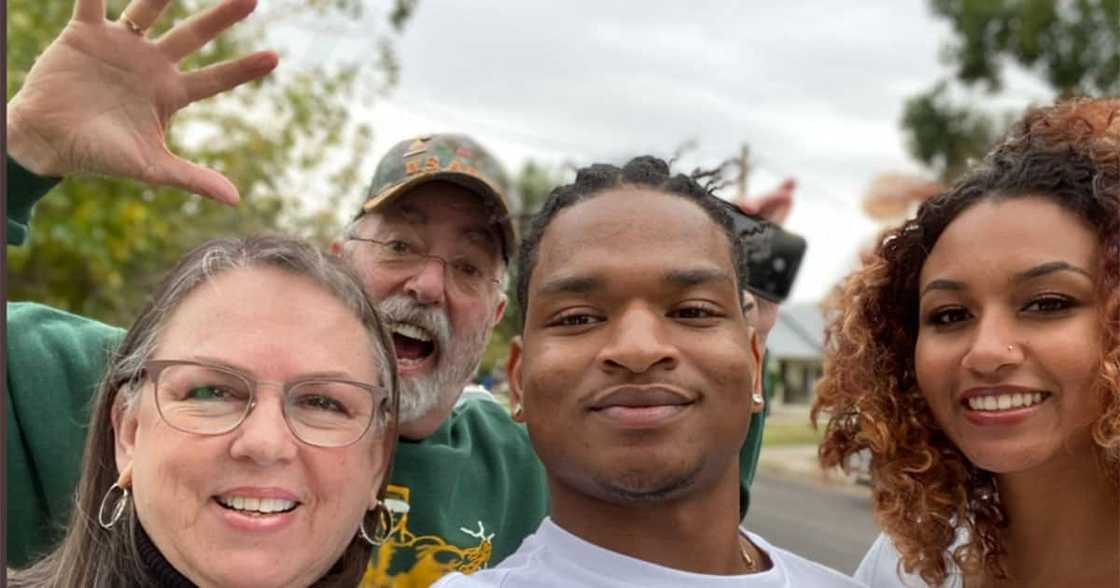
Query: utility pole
[744, 165]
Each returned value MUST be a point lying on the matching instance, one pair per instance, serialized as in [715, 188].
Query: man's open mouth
[412, 343]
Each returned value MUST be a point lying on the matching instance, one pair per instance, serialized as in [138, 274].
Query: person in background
[637, 373]
[976, 356]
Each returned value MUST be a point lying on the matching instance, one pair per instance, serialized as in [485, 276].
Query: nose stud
[1011, 348]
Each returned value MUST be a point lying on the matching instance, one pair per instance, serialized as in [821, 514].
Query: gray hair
[92, 556]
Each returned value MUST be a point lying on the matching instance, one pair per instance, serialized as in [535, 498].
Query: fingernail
[268, 60]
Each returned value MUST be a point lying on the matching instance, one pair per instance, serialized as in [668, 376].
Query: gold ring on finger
[131, 25]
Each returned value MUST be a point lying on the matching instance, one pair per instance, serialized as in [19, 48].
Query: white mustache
[402, 308]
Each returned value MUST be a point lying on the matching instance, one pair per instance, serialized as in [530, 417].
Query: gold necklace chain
[747, 559]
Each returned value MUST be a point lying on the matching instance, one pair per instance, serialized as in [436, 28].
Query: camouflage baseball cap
[450, 158]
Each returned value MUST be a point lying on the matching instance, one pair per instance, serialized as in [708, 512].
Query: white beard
[457, 360]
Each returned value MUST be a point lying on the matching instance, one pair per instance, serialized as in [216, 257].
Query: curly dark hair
[645, 171]
[925, 489]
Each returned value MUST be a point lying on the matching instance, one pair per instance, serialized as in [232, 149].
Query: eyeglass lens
[468, 272]
[208, 400]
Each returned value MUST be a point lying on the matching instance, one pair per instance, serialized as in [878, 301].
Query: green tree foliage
[943, 135]
[1073, 46]
[98, 245]
[531, 187]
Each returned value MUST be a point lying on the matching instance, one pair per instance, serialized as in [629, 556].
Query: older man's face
[441, 313]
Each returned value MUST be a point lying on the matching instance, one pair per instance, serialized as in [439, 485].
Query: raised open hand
[774, 205]
[100, 99]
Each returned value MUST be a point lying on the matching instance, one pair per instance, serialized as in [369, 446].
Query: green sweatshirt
[463, 498]
[54, 360]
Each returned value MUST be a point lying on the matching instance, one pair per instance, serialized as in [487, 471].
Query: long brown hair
[91, 556]
[924, 489]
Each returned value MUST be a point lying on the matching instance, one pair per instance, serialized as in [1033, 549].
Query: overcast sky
[815, 88]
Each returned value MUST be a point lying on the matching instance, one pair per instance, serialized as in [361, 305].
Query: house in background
[795, 353]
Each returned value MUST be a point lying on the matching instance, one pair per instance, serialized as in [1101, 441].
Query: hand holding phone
[773, 254]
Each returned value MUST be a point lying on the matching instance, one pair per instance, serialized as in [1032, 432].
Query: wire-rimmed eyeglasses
[469, 273]
[206, 399]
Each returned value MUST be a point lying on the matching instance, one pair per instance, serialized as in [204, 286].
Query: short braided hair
[645, 171]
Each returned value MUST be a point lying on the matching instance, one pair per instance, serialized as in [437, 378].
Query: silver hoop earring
[107, 520]
[384, 527]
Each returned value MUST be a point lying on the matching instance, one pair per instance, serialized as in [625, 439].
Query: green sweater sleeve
[54, 362]
[24, 190]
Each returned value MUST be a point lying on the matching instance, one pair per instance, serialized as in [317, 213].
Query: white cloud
[815, 88]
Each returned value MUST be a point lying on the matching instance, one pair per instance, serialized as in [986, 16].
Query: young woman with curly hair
[976, 358]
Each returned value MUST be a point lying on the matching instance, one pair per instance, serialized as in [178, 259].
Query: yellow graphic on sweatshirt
[408, 560]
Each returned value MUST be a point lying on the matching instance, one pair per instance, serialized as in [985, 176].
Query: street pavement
[820, 520]
[822, 516]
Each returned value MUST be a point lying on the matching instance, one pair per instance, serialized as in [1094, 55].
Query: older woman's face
[1009, 337]
[274, 326]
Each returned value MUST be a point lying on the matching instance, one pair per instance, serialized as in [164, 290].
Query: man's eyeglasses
[206, 399]
[470, 274]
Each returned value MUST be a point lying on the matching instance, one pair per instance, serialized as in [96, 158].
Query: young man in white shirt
[637, 375]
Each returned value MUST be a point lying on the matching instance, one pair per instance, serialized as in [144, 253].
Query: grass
[777, 434]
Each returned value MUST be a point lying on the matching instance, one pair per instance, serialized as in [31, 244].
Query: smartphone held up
[773, 254]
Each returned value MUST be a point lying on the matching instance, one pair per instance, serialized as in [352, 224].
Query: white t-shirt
[879, 568]
[554, 558]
